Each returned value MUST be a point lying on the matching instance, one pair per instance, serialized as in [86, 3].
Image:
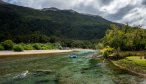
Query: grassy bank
[124, 54]
[131, 61]
[135, 64]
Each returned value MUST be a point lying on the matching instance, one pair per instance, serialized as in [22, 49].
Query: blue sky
[122, 11]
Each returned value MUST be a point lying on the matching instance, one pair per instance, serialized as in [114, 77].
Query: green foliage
[125, 38]
[26, 25]
[27, 46]
[18, 48]
[37, 47]
[8, 44]
[34, 26]
[1, 47]
[106, 54]
[133, 63]
[100, 46]
[124, 54]
[48, 46]
[58, 46]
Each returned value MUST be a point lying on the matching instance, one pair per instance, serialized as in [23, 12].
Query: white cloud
[115, 6]
[136, 16]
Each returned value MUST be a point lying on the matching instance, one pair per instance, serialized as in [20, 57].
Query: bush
[1, 47]
[18, 48]
[106, 54]
[27, 47]
[8, 44]
[37, 46]
[99, 46]
[44, 48]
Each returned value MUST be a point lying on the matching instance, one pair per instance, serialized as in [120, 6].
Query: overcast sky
[122, 11]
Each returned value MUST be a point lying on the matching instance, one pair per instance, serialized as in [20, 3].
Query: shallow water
[61, 69]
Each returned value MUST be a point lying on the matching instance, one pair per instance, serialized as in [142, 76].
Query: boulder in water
[73, 56]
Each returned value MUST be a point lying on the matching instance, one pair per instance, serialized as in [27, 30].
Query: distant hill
[17, 22]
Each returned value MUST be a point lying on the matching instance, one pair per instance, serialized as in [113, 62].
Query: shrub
[1, 47]
[18, 48]
[27, 47]
[44, 48]
[99, 46]
[8, 44]
[106, 54]
[37, 46]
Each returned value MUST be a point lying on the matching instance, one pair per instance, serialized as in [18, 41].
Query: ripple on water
[22, 75]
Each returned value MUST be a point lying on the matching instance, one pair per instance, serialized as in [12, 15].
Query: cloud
[136, 16]
[123, 11]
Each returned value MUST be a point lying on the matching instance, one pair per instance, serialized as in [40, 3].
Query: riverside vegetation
[10, 45]
[126, 47]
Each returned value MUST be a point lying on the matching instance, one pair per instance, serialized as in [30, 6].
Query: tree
[8, 44]
[125, 38]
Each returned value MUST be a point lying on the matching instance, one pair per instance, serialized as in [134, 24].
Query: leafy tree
[8, 44]
[125, 38]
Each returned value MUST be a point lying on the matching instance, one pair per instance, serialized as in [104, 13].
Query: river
[61, 69]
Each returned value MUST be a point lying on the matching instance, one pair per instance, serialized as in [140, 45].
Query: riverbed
[60, 68]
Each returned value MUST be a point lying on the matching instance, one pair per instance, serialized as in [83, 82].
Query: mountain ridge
[65, 24]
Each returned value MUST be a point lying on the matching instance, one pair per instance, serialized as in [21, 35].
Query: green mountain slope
[17, 22]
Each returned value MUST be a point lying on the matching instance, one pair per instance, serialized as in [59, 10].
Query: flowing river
[62, 69]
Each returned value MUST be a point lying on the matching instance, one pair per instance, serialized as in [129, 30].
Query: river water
[61, 69]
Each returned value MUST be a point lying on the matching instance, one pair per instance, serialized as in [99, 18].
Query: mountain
[2, 2]
[50, 9]
[17, 22]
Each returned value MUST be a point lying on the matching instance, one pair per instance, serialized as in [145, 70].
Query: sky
[132, 12]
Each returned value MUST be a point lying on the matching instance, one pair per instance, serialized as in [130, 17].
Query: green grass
[133, 63]
[124, 54]
[137, 60]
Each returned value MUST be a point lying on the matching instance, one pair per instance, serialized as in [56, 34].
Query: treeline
[10, 45]
[44, 43]
[22, 21]
[125, 38]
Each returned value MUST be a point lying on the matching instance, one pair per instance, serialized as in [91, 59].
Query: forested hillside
[22, 24]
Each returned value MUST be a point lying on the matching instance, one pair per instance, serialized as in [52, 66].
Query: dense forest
[126, 38]
[50, 25]
[20, 22]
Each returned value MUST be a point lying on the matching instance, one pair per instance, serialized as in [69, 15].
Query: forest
[125, 38]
